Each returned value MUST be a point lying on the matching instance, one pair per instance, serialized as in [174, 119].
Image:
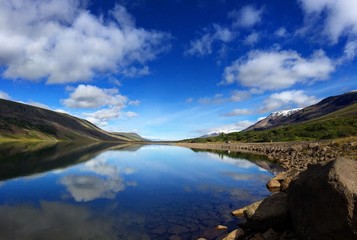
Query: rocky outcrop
[291, 155]
[272, 212]
[323, 201]
[319, 204]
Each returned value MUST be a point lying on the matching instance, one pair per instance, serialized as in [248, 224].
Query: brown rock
[273, 185]
[323, 201]
[239, 212]
[220, 227]
[272, 212]
[235, 234]
[250, 210]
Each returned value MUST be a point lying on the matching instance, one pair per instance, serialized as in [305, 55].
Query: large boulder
[323, 201]
[272, 212]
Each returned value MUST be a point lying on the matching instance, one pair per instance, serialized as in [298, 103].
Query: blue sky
[176, 69]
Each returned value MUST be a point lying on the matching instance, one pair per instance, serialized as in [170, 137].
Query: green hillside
[341, 123]
[25, 122]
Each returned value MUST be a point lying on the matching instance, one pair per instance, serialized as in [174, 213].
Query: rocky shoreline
[285, 214]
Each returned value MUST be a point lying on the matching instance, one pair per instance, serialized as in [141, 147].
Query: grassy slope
[24, 122]
[342, 123]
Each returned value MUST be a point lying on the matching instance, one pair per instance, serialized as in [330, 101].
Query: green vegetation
[339, 124]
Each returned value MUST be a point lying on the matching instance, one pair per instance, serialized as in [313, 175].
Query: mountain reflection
[246, 160]
[26, 159]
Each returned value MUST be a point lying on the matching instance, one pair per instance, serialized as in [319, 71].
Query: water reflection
[53, 220]
[106, 191]
[106, 182]
[24, 159]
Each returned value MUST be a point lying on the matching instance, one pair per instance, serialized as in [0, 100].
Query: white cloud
[203, 45]
[252, 39]
[102, 116]
[338, 16]
[278, 69]
[190, 100]
[88, 96]
[238, 96]
[236, 127]
[62, 42]
[246, 17]
[350, 50]
[134, 103]
[217, 99]
[281, 32]
[287, 99]
[133, 72]
[4, 95]
[238, 112]
[131, 114]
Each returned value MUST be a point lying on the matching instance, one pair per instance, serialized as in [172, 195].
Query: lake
[105, 191]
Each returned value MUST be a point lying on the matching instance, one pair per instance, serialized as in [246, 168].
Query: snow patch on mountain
[283, 113]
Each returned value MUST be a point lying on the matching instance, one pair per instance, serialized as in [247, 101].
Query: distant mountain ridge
[272, 119]
[21, 121]
[294, 116]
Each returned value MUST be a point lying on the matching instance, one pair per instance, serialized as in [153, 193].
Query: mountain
[21, 121]
[294, 116]
[214, 134]
[131, 136]
[332, 118]
[272, 119]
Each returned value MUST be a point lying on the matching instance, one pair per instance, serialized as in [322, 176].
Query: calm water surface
[97, 191]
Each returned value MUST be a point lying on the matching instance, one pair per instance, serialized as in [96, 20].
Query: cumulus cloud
[246, 17]
[4, 95]
[277, 69]
[204, 44]
[252, 39]
[217, 99]
[287, 100]
[350, 50]
[338, 17]
[237, 112]
[281, 32]
[102, 116]
[238, 96]
[61, 42]
[236, 127]
[131, 114]
[89, 96]
[134, 103]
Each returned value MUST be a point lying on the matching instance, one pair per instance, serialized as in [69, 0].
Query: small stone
[250, 210]
[220, 227]
[273, 185]
[235, 234]
[239, 212]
